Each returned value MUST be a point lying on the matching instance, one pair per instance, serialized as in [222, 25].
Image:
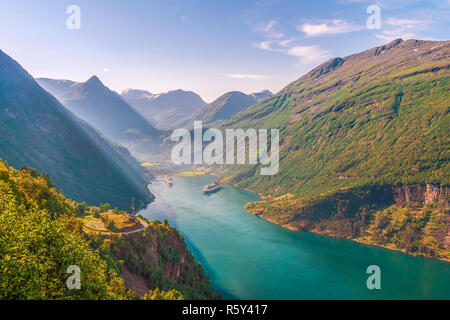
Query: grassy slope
[367, 121]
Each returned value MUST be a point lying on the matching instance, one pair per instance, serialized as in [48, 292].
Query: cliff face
[157, 257]
[420, 195]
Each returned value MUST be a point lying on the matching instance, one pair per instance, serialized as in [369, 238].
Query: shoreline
[324, 233]
[330, 234]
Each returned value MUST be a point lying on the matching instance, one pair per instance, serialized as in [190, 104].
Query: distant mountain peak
[231, 94]
[394, 43]
[95, 103]
[164, 109]
[222, 108]
[388, 46]
[94, 81]
[264, 91]
[136, 94]
[135, 91]
[94, 78]
[261, 95]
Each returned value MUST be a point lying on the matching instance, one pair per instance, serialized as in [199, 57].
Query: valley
[360, 151]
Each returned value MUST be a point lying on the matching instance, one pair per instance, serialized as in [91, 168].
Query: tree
[157, 294]
[105, 207]
[36, 251]
[81, 208]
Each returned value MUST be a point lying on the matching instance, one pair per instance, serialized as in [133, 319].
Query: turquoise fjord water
[250, 258]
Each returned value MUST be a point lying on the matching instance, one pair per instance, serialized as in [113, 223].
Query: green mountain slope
[377, 118]
[38, 132]
[380, 116]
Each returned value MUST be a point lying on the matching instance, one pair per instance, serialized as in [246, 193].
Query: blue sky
[207, 46]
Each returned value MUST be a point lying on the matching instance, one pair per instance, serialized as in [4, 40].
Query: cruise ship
[210, 188]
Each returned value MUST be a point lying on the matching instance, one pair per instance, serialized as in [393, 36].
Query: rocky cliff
[420, 195]
[157, 257]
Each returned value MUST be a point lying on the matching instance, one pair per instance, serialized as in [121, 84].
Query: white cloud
[268, 29]
[106, 69]
[267, 45]
[246, 76]
[274, 45]
[309, 54]
[401, 28]
[285, 43]
[389, 35]
[329, 27]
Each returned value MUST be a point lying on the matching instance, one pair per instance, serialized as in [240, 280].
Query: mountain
[358, 134]
[101, 107]
[262, 95]
[164, 109]
[38, 132]
[220, 109]
[57, 87]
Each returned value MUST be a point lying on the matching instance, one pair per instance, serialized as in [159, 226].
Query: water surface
[250, 258]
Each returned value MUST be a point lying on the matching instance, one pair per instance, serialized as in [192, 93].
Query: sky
[206, 46]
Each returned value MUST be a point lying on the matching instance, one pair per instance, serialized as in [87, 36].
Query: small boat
[169, 181]
[210, 188]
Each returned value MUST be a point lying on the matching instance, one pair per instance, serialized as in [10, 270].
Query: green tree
[157, 294]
